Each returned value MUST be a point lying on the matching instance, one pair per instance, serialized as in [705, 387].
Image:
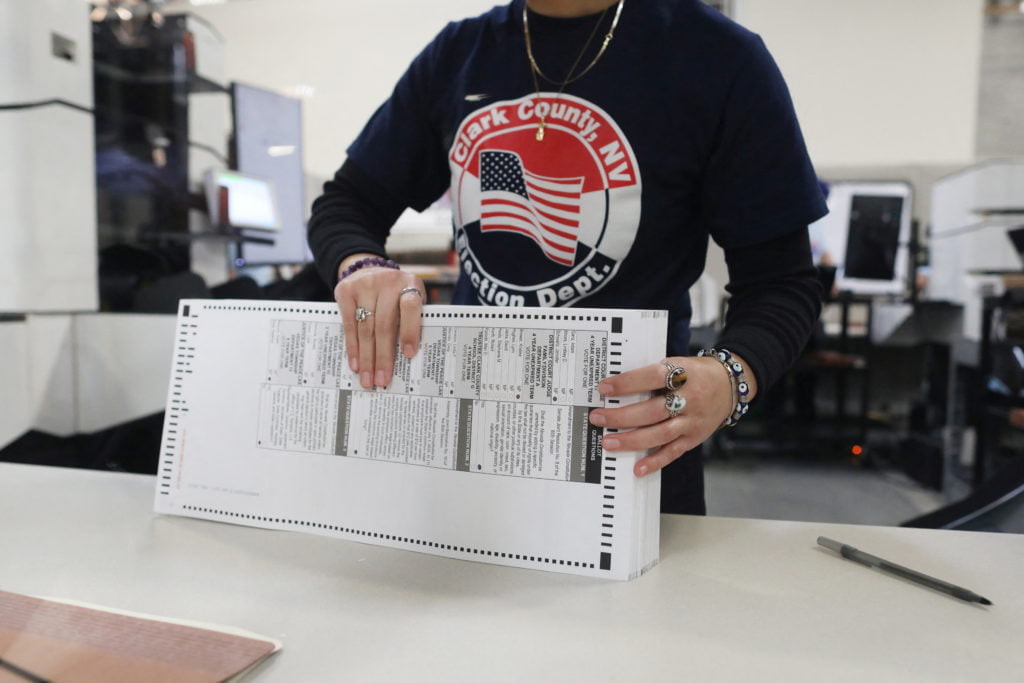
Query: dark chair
[996, 505]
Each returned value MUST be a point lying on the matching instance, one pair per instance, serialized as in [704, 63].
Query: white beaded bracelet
[738, 378]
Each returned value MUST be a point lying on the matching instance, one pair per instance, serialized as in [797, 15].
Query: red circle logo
[542, 222]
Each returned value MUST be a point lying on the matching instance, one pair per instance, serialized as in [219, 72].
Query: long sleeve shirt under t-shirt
[682, 131]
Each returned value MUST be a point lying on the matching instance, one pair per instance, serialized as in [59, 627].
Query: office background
[917, 91]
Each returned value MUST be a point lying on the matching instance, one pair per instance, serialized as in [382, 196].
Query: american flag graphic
[547, 210]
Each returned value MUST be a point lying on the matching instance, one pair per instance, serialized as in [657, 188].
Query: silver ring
[675, 378]
[410, 289]
[674, 404]
[362, 314]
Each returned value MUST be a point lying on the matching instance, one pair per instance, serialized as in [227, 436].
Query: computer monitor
[267, 143]
[236, 200]
[867, 236]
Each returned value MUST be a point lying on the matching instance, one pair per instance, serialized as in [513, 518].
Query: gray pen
[851, 553]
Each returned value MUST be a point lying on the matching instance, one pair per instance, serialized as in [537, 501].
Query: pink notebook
[62, 642]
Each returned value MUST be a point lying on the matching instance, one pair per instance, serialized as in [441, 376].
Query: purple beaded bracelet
[368, 262]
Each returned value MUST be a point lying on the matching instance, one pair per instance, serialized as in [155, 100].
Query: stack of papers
[480, 449]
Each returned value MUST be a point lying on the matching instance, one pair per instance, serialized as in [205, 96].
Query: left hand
[709, 401]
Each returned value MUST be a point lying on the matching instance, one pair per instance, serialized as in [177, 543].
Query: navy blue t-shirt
[684, 129]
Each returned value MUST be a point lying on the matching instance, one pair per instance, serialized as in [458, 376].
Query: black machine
[144, 73]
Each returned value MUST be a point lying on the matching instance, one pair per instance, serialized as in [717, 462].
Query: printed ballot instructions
[480, 449]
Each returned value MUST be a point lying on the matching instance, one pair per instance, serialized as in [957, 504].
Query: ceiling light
[301, 91]
[280, 150]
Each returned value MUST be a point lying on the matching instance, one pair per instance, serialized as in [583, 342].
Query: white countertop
[732, 599]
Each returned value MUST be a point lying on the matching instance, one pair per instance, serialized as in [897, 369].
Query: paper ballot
[480, 449]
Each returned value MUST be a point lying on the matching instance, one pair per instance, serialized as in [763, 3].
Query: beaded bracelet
[740, 387]
[366, 263]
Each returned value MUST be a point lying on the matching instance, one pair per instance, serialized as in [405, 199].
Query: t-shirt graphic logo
[542, 223]
[547, 210]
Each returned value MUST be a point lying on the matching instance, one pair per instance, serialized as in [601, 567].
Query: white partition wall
[122, 366]
[47, 177]
[16, 416]
[878, 82]
[81, 373]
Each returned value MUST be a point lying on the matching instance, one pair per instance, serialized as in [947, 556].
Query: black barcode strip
[365, 533]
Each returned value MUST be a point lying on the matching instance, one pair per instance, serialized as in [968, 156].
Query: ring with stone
[675, 378]
[674, 404]
[362, 314]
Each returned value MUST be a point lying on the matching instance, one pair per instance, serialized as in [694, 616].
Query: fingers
[647, 378]
[668, 425]
[670, 439]
[399, 314]
[385, 328]
[379, 307]
[651, 436]
[656, 435]
[638, 414]
[367, 340]
[410, 305]
[345, 298]
[662, 457]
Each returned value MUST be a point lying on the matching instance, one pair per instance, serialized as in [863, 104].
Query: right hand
[370, 344]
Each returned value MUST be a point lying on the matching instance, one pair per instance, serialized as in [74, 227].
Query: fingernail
[610, 444]
[604, 388]
[365, 379]
[380, 379]
[408, 350]
[353, 364]
[641, 470]
[597, 419]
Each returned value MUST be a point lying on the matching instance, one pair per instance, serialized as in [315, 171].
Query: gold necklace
[569, 77]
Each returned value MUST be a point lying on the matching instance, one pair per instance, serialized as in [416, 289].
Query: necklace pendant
[540, 130]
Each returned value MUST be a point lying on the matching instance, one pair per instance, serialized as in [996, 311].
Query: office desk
[732, 599]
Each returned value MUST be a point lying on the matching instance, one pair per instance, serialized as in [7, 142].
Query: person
[591, 148]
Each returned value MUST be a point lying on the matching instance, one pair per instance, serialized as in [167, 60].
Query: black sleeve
[775, 300]
[353, 215]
